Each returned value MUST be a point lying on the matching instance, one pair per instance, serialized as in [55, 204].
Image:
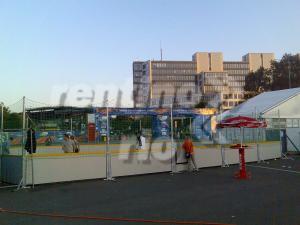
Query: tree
[286, 72]
[12, 120]
[201, 104]
[258, 82]
[281, 75]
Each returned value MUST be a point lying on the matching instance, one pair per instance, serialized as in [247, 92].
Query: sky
[49, 47]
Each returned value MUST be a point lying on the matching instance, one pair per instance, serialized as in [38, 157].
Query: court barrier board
[60, 167]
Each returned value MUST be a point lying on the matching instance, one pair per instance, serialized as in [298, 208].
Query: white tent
[273, 104]
[280, 109]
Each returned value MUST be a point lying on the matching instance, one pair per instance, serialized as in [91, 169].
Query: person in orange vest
[189, 151]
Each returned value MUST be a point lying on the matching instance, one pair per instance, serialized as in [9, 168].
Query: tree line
[282, 74]
[11, 120]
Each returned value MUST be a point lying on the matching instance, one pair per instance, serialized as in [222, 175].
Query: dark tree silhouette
[281, 75]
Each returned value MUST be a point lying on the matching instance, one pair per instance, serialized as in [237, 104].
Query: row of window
[244, 72]
[215, 88]
[164, 88]
[186, 65]
[170, 100]
[172, 71]
[171, 91]
[231, 103]
[237, 84]
[140, 80]
[215, 82]
[233, 96]
[137, 66]
[236, 78]
[236, 65]
[170, 65]
[173, 78]
[215, 75]
[139, 87]
[173, 84]
[137, 74]
[236, 89]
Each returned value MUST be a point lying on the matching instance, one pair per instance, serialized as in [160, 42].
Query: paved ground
[271, 197]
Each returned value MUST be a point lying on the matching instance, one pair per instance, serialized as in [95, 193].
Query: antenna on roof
[161, 51]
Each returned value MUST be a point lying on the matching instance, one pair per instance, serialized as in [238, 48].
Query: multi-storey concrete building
[208, 61]
[185, 83]
[160, 82]
[257, 60]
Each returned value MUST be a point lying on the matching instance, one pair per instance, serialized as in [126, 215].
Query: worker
[189, 151]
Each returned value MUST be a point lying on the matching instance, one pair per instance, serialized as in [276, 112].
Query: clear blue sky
[68, 42]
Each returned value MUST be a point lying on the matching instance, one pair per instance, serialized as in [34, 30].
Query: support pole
[1, 144]
[140, 123]
[257, 147]
[31, 159]
[173, 151]
[283, 154]
[257, 131]
[2, 117]
[23, 182]
[289, 69]
[223, 156]
[23, 145]
[23, 125]
[191, 130]
[107, 151]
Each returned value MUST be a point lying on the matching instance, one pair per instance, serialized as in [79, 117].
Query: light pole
[2, 116]
[107, 150]
[173, 163]
[289, 68]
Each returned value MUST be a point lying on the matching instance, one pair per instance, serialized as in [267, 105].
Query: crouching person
[189, 152]
[75, 144]
[67, 144]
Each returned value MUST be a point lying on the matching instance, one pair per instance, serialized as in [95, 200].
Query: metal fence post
[2, 117]
[173, 151]
[223, 156]
[23, 144]
[256, 138]
[107, 150]
[23, 181]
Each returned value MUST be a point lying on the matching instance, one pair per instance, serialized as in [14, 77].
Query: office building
[257, 60]
[205, 78]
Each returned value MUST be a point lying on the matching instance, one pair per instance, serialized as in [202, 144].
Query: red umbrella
[241, 121]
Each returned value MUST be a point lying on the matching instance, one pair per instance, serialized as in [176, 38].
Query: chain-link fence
[51, 123]
[132, 136]
[12, 139]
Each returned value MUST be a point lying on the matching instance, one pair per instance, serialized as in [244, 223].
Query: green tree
[281, 75]
[11, 120]
[286, 72]
[201, 104]
[258, 82]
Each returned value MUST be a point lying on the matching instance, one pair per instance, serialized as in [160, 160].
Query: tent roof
[262, 103]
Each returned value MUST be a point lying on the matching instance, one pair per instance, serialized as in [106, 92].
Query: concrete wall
[257, 60]
[208, 61]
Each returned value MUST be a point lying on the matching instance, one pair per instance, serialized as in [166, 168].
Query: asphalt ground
[270, 197]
